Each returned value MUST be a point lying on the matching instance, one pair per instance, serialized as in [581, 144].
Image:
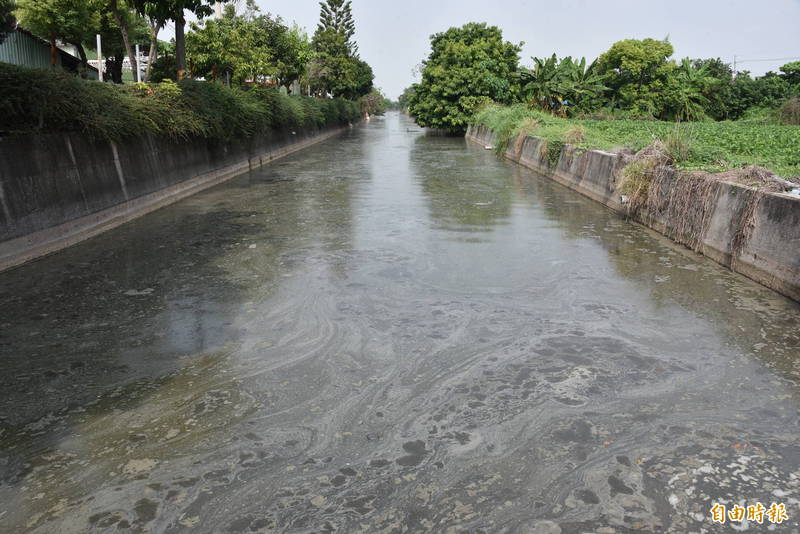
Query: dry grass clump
[790, 111]
[528, 126]
[754, 176]
[678, 143]
[684, 201]
[656, 190]
[637, 176]
[575, 136]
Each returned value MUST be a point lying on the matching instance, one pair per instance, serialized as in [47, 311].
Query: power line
[760, 60]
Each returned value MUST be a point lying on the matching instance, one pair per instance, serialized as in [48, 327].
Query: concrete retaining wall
[771, 254]
[59, 189]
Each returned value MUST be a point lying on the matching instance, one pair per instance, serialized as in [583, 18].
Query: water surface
[385, 333]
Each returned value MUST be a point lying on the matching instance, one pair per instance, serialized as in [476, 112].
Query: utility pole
[99, 59]
[138, 68]
[734, 66]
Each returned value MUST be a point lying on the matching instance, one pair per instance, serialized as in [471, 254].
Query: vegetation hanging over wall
[43, 100]
[710, 146]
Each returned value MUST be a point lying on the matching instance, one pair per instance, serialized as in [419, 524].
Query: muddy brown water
[391, 332]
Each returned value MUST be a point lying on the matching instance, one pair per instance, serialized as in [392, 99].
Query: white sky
[393, 36]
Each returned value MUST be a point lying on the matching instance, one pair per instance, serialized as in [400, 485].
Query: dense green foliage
[72, 21]
[468, 67]
[164, 68]
[374, 103]
[250, 46]
[404, 100]
[643, 82]
[637, 72]
[7, 19]
[712, 146]
[635, 79]
[48, 100]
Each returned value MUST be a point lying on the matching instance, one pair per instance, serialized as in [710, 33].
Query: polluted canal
[391, 332]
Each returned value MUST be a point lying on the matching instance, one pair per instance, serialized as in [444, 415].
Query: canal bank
[390, 332]
[57, 190]
[757, 235]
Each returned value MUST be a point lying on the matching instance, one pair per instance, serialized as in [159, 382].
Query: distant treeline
[471, 66]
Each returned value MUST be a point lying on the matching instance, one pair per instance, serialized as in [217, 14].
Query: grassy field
[712, 146]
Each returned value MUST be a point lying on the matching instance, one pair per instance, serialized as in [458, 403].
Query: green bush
[45, 100]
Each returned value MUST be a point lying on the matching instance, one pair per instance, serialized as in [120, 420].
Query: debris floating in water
[489, 147]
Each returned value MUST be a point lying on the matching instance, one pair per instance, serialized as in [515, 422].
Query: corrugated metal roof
[21, 47]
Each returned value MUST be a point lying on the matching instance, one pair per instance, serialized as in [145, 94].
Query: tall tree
[336, 68]
[791, 73]
[637, 73]
[467, 67]
[683, 97]
[156, 24]
[292, 54]
[337, 16]
[71, 21]
[7, 20]
[174, 10]
[232, 45]
[718, 89]
[124, 17]
[114, 47]
[247, 46]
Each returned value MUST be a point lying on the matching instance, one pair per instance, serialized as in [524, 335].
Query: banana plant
[685, 98]
[557, 86]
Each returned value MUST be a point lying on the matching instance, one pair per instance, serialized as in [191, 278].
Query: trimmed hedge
[50, 100]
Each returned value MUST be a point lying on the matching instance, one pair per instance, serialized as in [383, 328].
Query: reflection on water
[390, 332]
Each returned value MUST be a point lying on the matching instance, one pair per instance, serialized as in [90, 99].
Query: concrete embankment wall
[59, 189]
[755, 235]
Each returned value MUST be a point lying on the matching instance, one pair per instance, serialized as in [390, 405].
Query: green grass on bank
[46, 100]
[712, 146]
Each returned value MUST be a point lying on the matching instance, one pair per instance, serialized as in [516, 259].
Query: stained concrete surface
[390, 332]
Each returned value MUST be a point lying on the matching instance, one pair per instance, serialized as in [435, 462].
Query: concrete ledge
[770, 255]
[109, 178]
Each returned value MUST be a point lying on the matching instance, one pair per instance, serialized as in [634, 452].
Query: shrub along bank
[709, 146]
[44, 100]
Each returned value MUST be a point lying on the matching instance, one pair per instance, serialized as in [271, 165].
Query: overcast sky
[394, 36]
